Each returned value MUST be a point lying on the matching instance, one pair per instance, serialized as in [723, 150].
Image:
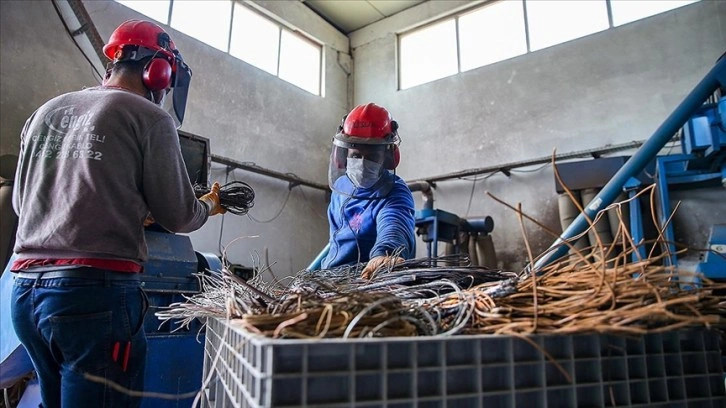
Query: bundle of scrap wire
[411, 299]
[587, 296]
[237, 197]
[335, 302]
[597, 289]
[412, 279]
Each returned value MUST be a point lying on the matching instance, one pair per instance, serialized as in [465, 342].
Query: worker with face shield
[371, 211]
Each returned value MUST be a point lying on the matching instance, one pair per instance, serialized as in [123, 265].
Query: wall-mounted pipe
[507, 167]
[708, 85]
[425, 188]
[291, 178]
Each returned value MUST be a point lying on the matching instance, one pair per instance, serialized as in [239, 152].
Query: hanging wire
[274, 217]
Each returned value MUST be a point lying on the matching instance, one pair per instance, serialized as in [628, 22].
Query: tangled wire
[236, 197]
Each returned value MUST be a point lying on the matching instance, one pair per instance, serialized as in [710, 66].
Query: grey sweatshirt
[92, 164]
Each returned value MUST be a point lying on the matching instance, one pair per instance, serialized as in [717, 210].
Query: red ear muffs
[393, 157]
[157, 74]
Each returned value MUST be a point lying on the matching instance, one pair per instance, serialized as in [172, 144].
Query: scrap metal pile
[579, 294]
[598, 289]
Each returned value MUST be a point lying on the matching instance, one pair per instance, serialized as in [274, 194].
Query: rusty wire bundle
[335, 302]
[572, 296]
[593, 290]
[633, 298]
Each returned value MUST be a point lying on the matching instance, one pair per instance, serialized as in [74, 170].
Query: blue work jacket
[365, 223]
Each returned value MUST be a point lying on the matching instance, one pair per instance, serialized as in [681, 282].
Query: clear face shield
[357, 169]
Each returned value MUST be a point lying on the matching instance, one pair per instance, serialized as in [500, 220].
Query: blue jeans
[76, 326]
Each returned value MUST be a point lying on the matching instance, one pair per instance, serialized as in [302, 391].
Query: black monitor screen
[195, 150]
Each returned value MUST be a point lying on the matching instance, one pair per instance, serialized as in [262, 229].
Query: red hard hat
[369, 121]
[143, 34]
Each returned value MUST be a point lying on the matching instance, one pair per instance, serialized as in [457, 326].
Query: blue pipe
[638, 161]
[316, 264]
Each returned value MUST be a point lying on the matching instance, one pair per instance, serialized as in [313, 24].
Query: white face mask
[363, 173]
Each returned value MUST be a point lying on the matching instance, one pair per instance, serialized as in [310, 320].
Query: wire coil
[237, 197]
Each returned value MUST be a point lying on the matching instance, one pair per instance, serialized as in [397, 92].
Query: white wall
[608, 88]
[248, 115]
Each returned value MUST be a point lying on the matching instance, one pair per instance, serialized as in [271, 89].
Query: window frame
[281, 25]
[527, 35]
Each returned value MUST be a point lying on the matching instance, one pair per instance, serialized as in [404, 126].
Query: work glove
[378, 262]
[212, 200]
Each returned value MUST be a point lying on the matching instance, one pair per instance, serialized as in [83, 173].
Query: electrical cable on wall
[68, 31]
[284, 204]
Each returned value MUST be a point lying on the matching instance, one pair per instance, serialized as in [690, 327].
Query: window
[275, 49]
[556, 21]
[502, 29]
[626, 11]
[300, 62]
[207, 21]
[253, 37]
[156, 9]
[263, 50]
[428, 54]
[492, 33]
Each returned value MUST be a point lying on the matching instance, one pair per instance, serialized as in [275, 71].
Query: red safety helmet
[370, 124]
[138, 39]
[143, 34]
[368, 131]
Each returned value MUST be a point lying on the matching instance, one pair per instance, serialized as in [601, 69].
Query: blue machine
[462, 236]
[175, 358]
[694, 100]
[714, 80]
[436, 226]
[701, 165]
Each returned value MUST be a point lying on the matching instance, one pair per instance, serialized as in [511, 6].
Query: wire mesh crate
[673, 369]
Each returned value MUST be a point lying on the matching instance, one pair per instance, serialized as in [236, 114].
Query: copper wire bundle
[599, 289]
[633, 298]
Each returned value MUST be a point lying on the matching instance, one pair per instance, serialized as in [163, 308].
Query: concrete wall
[608, 88]
[248, 115]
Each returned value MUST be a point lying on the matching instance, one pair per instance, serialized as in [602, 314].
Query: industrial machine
[460, 235]
[702, 165]
[467, 236]
[702, 142]
[174, 355]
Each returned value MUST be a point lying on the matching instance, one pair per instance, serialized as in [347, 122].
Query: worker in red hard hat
[92, 165]
[164, 69]
[371, 211]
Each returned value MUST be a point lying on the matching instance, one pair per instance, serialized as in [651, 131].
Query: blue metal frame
[438, 226]
[647, 152]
